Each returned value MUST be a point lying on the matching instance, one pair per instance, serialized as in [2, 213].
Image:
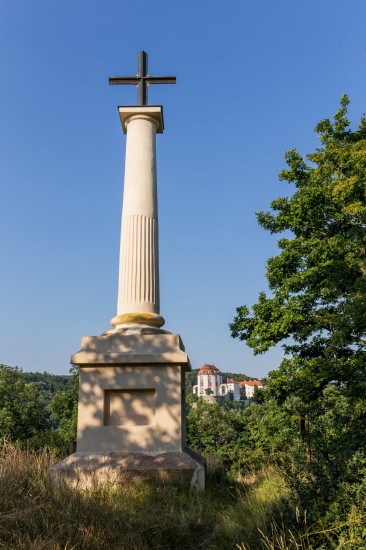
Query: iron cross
[142, 80]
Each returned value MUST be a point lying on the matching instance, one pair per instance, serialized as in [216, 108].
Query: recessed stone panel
[129, 407]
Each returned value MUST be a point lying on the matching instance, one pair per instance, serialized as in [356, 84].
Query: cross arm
[161, 79]
[124, 80]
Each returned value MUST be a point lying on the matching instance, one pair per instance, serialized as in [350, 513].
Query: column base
[147, 319]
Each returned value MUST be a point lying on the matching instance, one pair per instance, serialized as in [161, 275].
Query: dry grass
[36, 515]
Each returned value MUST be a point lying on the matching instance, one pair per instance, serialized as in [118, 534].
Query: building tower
[209, 379]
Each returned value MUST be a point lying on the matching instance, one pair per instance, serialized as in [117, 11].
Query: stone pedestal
[131, 412]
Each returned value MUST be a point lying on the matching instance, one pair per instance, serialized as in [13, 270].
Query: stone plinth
[131, 410]
[84, 469]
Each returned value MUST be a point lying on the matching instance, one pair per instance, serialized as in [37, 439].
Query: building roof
[253, 383]
[209, 369]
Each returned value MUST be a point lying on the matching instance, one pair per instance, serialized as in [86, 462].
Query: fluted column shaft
[138, 286]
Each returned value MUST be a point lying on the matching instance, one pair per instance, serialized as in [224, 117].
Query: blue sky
[253, 79]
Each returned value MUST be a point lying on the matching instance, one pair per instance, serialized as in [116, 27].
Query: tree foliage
[21, 415]
[213, 430]
[316, 308]
[63, 409]
[39, 409]
[317, 300]
[48, 385]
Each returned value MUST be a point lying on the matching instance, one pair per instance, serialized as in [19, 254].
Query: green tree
[191, 398]
[63, 409]
[259, 395]
[317, 309]
[317, 305]
[272, 435]
[214, 430]
[191, 380]
[21, 415]
[47, 385]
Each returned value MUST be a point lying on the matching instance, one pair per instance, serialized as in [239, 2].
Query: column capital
[153, 111]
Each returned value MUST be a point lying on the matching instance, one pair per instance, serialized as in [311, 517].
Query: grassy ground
[242, 515]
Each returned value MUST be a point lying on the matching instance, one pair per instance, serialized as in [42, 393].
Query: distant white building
[249, 386]
[231, 387]
[209, 382]
[209, 378]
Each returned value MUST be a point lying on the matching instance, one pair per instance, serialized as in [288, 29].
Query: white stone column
[138, 286]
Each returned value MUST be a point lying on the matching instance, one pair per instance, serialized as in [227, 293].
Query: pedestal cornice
[132, 349]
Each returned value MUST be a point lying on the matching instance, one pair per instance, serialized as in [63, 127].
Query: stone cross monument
[131, 409]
